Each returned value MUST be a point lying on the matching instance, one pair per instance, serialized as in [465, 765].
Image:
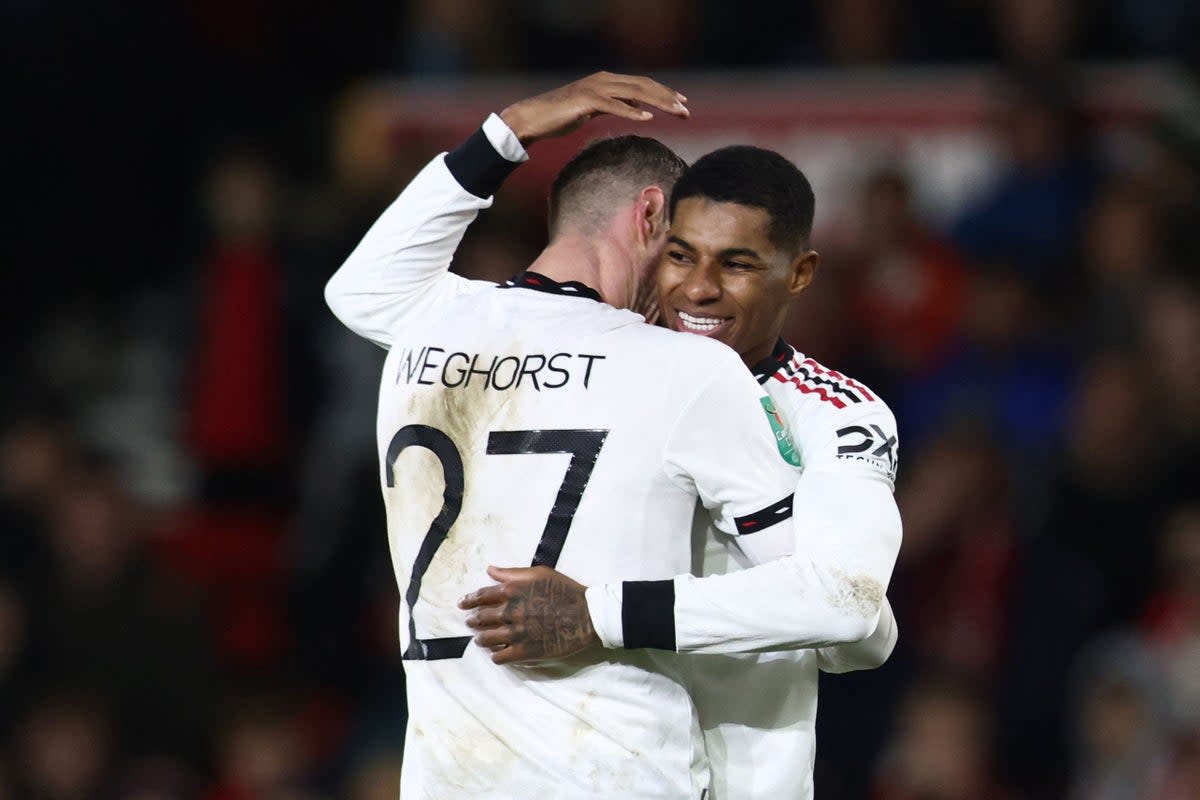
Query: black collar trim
[540, 283]
[782, 354]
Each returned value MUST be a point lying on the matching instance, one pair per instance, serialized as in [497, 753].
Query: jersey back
[520, 427]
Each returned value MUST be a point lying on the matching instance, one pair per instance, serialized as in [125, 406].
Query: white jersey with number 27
[533, 424]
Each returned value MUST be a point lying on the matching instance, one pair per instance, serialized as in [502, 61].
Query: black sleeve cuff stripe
[765, 518]
[477, 166]
[648, 614]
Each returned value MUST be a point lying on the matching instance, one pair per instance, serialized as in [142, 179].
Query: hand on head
[561, 111]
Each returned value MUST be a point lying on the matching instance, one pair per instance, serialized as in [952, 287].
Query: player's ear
[804, 267]
[651, 211]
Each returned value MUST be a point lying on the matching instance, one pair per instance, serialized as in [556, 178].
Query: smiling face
[721, 276]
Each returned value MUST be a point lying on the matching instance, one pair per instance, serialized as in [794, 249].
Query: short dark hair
[605, 172]
[752, 176]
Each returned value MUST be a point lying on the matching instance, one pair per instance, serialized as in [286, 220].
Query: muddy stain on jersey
[462, 753]
[858, 594]
[464, 414]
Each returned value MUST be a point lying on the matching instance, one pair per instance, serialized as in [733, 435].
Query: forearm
[403, 261]
[828, 592]
[870, 653]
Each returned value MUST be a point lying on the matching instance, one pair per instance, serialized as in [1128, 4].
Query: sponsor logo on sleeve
[783, 439]
[871, 444]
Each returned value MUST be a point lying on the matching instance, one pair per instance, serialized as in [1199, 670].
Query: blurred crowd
[196, 599]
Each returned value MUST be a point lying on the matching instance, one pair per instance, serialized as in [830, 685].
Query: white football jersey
[761, 737]
[533, 424]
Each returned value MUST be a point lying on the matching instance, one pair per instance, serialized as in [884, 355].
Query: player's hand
[532, 614]
[563, 110]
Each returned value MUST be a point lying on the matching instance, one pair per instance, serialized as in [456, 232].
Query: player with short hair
[517, 382]
[737, 255]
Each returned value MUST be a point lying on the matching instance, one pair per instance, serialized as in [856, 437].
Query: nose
[703, 284]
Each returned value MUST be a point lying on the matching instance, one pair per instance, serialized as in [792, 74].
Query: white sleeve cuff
[503, 139]
[604, 606]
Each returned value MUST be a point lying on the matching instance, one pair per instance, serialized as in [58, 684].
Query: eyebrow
[727, 253]
[740, 251]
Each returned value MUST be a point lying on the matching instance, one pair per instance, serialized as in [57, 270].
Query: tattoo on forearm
[552, 617]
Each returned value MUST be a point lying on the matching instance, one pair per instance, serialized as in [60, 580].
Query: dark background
[196, 599]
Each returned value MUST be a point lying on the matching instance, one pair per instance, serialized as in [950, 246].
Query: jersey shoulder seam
[822, 385]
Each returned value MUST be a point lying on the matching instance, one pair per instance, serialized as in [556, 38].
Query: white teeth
[701, 324]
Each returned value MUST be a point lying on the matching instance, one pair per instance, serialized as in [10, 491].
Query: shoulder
[694, 357]
[803, 381]
[832, 415]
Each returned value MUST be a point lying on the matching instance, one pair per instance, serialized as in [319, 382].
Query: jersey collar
[782, 354]
[540, 283]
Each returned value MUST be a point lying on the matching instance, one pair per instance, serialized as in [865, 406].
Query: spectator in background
[111, 623]
[1183, 776]
[1006, 373]
[818, 319]
[34, 453]
[953, 582]
[650, 36]
[66, 748]
[260, 752]
[450, 37]
[15, 677]
[1171, 350]
[237, 421]
[908, 285]
[952, 587]
[1091, 565]
[1173, 627]
[1172, 618]
[1035, 32]
[861, 32]
[1119, 731]
[1173, 172]
[336, 553]
[496, 246]
[1121, 260]
[1109, 494]
[1030, 215]
[941, 747]
[159, 780]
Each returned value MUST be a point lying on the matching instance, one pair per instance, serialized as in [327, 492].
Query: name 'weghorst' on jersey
[429, 365]
[530, 423]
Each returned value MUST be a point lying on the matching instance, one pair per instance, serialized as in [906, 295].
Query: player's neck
[598, 262]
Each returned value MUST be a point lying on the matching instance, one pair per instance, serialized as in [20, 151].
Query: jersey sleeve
[819, 442]
[724, 449]
[402, 264]
[857, 444]
[856, 441]
[827, 591]
[870, 653]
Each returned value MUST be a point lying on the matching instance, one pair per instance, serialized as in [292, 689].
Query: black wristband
[648, 614]
[477, 166]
